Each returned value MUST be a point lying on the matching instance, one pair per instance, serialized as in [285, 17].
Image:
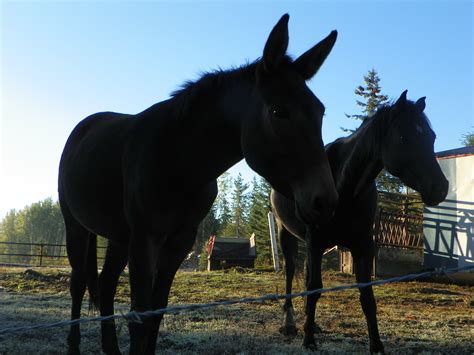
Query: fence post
[274, 245]
[41, 254]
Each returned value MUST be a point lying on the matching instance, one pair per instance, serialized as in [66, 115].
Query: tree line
[239, 210]
[41, 222]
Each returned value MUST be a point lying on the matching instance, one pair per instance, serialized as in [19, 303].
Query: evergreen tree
[468, 139]
[371, 93]
[222, 206]
[239, 209]
[372, 100]
[258, 220]
[209, 226]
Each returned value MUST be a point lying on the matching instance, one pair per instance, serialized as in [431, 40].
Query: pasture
[414, 317]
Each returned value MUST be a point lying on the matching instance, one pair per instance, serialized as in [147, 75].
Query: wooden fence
[37, 254]
[398, 229]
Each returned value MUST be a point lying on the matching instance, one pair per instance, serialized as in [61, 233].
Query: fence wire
[139, 316]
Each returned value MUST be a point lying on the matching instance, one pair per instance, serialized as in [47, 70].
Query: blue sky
[63, 60]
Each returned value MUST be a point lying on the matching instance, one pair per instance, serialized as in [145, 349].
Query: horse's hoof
[289, 330]
[73, 350]
[112, 351]
[377, 348]
[310, 344]
[317, 329]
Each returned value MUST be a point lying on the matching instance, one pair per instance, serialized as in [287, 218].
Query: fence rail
[398, 229]
[37, 254]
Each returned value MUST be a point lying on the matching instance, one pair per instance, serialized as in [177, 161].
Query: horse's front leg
[140, 256]
[313, 282]
[168, 259]
[363, 260]
[289, 247]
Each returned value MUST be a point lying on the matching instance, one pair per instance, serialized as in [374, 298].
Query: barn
[224, 253]
[449, 227]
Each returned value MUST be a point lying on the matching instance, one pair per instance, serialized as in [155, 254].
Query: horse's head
[408, 152]
[282, 140]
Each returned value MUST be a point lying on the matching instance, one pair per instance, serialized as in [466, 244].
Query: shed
[449, 227]
[224, 253]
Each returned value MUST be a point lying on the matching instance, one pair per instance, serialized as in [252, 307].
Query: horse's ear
[276, 45]
[420, 104]
[402, 100]
[309, 63]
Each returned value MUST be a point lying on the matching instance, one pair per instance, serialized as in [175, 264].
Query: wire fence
[139, 316]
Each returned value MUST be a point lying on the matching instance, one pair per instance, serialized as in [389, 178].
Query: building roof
[452, 153]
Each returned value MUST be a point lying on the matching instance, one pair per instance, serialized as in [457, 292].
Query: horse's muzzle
[436, 194]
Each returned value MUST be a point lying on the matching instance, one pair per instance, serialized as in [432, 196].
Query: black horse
[145, 181]
[399, 138]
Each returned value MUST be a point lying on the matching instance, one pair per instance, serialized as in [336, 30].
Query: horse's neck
[211, 124]
[359, 160]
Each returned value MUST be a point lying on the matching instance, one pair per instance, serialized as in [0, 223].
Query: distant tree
[208, 226]
[239, 209]
[44, 223]
[372, 100]
[41, 222]
[371, 93]
[468, 139]
[10, 231]
[9, 228]
[258, 220]
[222, 205]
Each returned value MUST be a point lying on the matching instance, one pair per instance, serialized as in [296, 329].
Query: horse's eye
[280, 112]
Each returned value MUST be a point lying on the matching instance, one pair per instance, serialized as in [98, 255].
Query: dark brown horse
[145, 181]
[399, 138]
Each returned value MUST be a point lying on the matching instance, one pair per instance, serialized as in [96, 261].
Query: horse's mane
[381, 120]
[204, 89]
[209, 81]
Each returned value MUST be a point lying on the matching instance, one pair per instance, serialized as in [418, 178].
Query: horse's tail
[92, 273]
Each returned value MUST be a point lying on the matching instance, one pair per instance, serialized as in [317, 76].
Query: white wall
[449, 227]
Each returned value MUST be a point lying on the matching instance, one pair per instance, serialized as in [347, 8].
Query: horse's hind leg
[289, 247]
[114, 263]
[77, 243]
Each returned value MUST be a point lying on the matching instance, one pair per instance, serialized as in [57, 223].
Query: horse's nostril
[441, 188]
[318, 205]
[325, 208]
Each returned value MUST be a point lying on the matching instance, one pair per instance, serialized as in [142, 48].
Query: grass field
[414, 317]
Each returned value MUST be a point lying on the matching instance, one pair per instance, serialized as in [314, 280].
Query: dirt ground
[414, 317]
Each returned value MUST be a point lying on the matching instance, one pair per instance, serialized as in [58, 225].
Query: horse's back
[90, 172]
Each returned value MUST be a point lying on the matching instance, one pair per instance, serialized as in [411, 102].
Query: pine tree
[468, 139]
[208, 226]
[371, 92]
[222, 206]
[239, 209]
[374, 99]
[258, 220]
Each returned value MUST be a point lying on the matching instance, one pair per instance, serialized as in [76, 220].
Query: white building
[449, 227]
